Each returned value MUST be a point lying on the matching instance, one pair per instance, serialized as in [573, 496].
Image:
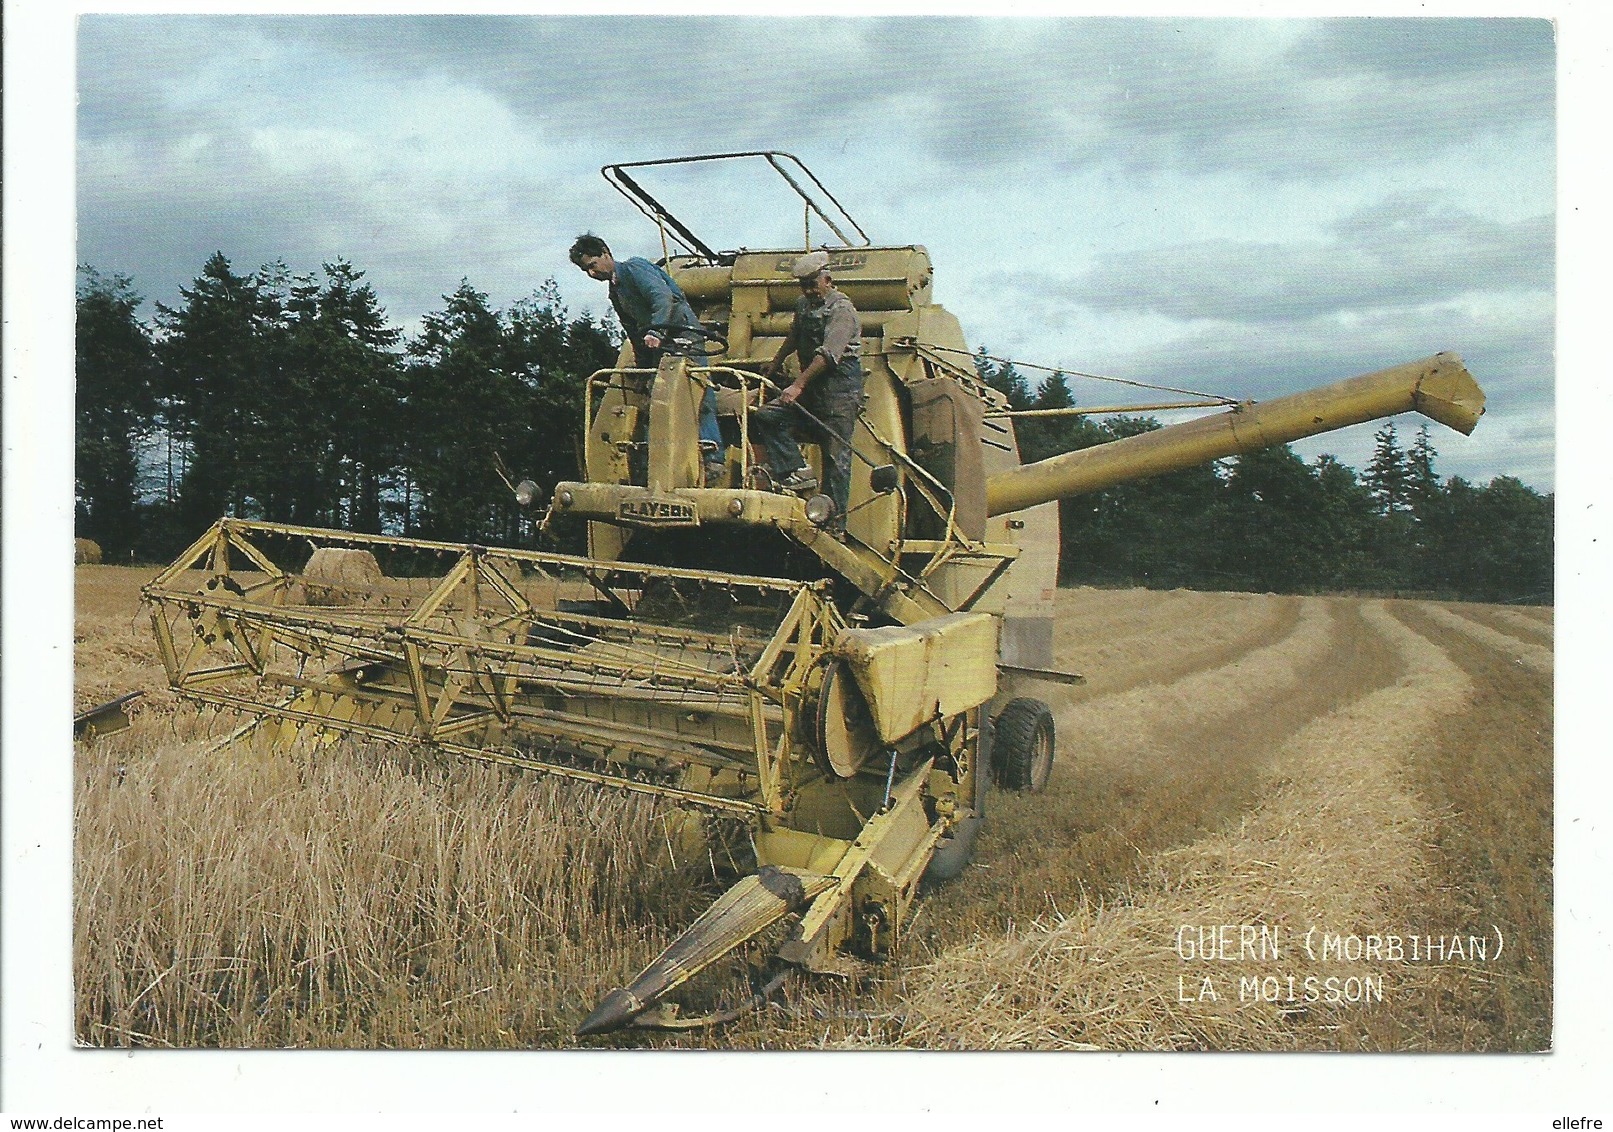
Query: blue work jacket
[643, 296]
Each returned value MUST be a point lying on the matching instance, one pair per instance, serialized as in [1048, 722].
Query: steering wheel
[689, 341]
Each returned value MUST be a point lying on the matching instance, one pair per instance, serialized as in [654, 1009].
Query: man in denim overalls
[827, 341]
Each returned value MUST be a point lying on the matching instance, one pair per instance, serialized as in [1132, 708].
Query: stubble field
[1275, 823]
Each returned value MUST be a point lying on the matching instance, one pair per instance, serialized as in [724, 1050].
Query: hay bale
[86, 552]
[340, 564]
[334, 574]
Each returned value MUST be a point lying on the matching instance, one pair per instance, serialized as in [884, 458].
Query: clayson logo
[838, 261]
[656, 511]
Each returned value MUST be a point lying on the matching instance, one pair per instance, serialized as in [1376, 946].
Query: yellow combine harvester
[841, 700]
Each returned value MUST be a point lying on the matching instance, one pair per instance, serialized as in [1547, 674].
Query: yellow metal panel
[797, 849]
[674, 451]
[912, 674]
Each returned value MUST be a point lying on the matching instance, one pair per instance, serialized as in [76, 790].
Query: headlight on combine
[820, 509]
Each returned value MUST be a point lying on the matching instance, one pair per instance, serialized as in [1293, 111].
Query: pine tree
[553, 355]
[114, 410]
[216, 378]
[1506, 546]
[1387, 476]
[1269, 537]
[1344, 522]
[466, 402]
[1154, 532]
[1005, 379]
[1422, 485]
[285, 439]
[983, 365]
[1041, 437]
[347, 347]
[1054, 393]
[1008, 381]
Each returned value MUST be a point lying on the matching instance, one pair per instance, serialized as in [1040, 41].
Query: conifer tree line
[292, 398]
[1270, 522]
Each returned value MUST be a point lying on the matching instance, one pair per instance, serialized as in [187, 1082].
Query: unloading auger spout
[1438, 387]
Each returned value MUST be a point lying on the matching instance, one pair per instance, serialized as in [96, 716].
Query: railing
[749, 383]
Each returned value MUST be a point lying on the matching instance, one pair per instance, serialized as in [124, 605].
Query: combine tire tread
[1022, 745]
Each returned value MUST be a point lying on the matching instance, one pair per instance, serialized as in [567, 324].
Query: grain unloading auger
[842, 701]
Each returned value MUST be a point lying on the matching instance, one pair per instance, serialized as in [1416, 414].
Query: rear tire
[1022, 746]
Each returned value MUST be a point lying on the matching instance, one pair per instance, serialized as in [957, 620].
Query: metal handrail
[657, 212]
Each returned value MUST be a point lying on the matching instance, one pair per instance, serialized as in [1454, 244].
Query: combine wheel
[954, 852]
[1022, 749]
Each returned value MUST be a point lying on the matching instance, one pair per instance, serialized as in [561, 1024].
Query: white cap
[808, 266]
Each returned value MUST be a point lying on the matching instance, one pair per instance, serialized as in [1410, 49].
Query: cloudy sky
[1245, 207]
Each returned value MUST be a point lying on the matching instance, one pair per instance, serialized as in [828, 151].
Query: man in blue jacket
[646, 301]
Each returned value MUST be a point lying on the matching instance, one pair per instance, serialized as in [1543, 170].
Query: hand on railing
[685, 341]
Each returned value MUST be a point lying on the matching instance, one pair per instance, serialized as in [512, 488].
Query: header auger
[845, 699]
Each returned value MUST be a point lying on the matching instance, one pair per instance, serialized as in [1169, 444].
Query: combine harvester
[839, 703]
